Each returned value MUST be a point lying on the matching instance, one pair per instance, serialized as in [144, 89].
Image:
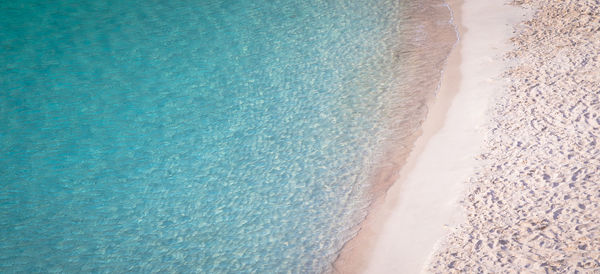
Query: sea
[205, 136]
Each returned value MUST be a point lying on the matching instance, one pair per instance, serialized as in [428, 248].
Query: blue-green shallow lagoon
[192, 136]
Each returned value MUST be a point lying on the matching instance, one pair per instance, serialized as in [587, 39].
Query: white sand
[422, 206]
[534, 204]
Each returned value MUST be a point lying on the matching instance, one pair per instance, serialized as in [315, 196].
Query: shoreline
[354, 256]
[405, 224]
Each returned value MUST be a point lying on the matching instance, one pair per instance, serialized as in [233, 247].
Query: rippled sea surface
[196, 136]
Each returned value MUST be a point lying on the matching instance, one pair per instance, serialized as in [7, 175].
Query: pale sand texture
[422, 206]
[534, 205]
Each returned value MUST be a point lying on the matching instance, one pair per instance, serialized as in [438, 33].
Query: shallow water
[204, 136]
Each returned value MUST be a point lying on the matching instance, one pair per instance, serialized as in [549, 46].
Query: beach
[438, 136]
[503, 177]
[533, 205]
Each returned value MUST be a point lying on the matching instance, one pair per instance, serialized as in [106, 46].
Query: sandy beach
[533, 205]
[504, 176]
[422, 206]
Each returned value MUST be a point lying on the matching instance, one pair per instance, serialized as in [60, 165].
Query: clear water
[193, 136]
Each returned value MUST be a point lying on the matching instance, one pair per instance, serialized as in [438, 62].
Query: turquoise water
[192, 136]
